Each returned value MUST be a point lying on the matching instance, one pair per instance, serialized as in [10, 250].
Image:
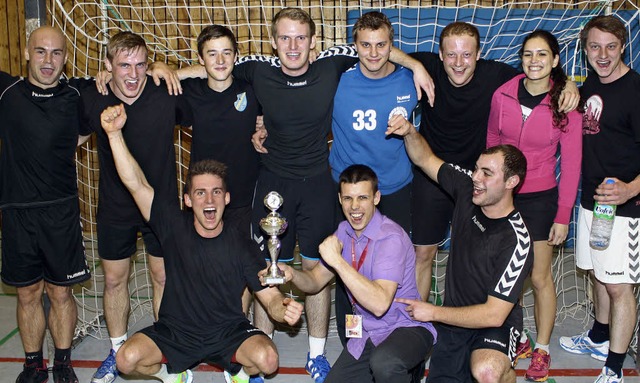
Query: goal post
[170, 28]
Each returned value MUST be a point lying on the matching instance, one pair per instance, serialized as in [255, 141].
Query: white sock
[316, 346]
[162, 374]
[117, 342]
[544, 347]
[165, 376]
[523, 337]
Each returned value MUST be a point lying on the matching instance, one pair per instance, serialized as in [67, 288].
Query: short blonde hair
[296, 14]
[124, 41]
[460, 28]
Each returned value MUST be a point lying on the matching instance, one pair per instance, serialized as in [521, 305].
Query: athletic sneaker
[318, 368]
[582, 344]
[608, 376]
[63, 373]
[523, 351]
[235, 379]
[33, 373]
[184, 377]
[107, 372]
[538, 370]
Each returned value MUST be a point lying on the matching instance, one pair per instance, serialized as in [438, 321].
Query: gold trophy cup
[274, 225]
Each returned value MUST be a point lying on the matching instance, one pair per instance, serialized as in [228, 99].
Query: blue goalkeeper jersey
[361, 111]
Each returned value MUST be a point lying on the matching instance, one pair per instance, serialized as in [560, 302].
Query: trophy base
[273, 280]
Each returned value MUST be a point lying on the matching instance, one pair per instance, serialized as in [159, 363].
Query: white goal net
[170, 28]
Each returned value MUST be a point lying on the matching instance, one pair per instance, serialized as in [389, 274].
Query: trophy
[274, 225]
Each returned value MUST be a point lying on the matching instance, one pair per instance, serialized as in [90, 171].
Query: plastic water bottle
[602, 224]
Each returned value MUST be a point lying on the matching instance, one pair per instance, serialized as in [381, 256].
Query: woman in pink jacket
[525, 113]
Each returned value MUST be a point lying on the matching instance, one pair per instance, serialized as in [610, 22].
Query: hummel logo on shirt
[34, 94]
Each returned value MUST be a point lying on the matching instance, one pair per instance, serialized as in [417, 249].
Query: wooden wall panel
[86, 55]
[5, 63]
[12, 37]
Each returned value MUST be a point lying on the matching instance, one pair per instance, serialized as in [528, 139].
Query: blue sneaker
[107, 372]
[318, 368]
[582, 344]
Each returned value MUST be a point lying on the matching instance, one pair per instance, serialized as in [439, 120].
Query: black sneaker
[63, 373]
[33, 374]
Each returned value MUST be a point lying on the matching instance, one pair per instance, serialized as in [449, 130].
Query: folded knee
[487, 373]
[126, 359]
[384, 366]
[266, 359]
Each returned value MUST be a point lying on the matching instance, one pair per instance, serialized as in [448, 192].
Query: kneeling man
[489, 260]
[375, 258]
[208, 265]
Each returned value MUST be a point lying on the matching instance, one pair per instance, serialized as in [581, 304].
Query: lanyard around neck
[357, 266]
[363, 255]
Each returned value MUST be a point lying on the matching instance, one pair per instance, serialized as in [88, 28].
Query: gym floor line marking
[9, 336]
[557, 372]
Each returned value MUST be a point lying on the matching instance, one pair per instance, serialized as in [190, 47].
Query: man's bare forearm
[421, 154]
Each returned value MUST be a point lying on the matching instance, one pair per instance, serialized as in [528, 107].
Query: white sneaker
[582, 344]
[185, 376]
[608, 376]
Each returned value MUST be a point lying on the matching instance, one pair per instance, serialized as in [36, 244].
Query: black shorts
[240, 217]
[451, 357]
[308, 207]
[116, 242]
[538, 211]
[397, 206]
[432, 209]
[183, 350]
[43, 243]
